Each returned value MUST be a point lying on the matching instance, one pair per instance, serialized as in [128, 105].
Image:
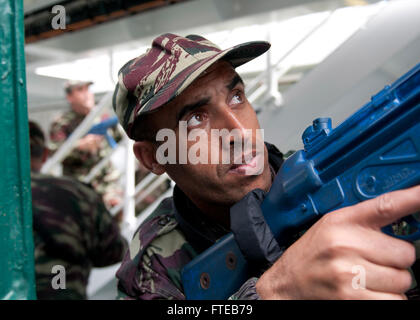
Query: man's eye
[237, 98]
[195, 120]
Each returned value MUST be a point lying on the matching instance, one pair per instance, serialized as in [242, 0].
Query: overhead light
[96, 69]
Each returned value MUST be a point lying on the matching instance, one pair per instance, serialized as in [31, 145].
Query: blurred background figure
[72, 229]
[90, 149]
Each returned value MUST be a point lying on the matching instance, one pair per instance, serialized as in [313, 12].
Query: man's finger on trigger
[387, 208]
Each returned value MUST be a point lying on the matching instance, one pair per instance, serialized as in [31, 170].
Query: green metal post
[17, 280]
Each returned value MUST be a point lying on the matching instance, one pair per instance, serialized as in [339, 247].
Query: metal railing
[266, 82]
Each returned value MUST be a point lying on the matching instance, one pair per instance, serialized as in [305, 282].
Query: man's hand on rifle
[90, 143]
[321, 263]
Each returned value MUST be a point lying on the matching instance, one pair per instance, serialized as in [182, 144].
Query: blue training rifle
[374, 151]
[102, 129]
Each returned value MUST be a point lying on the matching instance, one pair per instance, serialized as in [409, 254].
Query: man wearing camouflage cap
[189, 81]
[72, 229]
[90, 149]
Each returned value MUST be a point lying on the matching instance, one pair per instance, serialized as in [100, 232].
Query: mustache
[237, 155]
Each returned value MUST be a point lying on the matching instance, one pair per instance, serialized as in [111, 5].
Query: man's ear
[145, 152]
[69, 97]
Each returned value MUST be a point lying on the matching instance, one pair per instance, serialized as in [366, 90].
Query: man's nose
[232, 122]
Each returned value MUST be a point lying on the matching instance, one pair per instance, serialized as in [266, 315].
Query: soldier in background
[90, 149]
[71, 226]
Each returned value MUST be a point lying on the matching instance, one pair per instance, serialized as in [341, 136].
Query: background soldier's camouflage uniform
[79, 163]
[72, 228]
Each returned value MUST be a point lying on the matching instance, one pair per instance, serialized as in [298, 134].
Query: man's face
[216, 100]
[81, 99]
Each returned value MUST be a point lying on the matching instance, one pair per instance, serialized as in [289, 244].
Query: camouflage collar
[200, 232]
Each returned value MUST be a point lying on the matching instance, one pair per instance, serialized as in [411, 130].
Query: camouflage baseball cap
[167, 68]
[69, 85]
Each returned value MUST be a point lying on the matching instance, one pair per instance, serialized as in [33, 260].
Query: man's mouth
[251, 168]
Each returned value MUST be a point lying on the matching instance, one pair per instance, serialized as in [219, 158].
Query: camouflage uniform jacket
[78, 163]
[172, 236]
[72, 228]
